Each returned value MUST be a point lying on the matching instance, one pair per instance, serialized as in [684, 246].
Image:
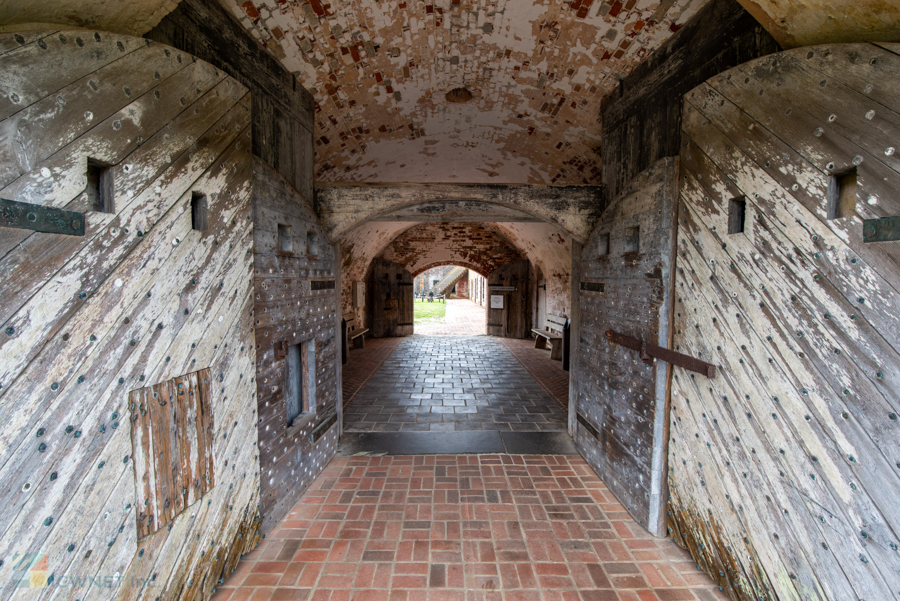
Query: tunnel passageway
[453, 394]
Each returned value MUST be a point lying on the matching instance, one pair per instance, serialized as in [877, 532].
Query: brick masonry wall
[462, 287]
[472, 245]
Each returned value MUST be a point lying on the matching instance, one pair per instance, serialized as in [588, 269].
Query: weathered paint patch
[537, 71]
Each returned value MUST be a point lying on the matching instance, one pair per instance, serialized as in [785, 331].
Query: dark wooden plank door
[621, 401]
[391, 303]
[512, 319]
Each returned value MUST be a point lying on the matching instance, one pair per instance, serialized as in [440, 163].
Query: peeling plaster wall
[134, 17]
[550, 251]
[380, 71]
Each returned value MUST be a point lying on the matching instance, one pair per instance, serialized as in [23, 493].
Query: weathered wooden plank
[181, 122]
[204, 477]
[738, 456]
[180, 387]
[824, 315]
[799, 224]
[232, 448]
[42, 66]
[141, 451]
[780, 291]
[815, 152]
[162, 236]
[12, 41]
[41, 256]
[850, 439]
[153, 155]
[95, 535]
[72, 110]
[162, 553]
[851, 114]
[126, 327]
[866, 68]
[836, 533]
[85, 273]
[45, 505]
[110, 540]
[110, 354]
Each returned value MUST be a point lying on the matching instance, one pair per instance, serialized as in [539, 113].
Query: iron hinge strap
[648, 351]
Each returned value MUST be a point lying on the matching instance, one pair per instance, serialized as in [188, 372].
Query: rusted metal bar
[650, 351]
[881, 230]
[39, 218]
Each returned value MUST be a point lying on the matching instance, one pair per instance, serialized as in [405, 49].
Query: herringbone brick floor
[463, 528]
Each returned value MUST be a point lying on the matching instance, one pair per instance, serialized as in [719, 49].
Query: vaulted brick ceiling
[380, 71]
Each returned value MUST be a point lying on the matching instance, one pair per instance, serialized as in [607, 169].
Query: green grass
[425, 312]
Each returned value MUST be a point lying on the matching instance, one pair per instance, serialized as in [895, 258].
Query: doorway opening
[449, 301]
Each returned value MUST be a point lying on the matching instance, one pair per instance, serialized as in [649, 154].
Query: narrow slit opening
[285, 240]
[632, 239]
[99, 187]
[603, 245]
[843, 193]
[737, 208]
[198, 212]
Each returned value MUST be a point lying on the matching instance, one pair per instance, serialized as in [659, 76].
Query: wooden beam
[574, 209]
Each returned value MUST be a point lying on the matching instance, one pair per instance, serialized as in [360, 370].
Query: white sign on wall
[496, 301]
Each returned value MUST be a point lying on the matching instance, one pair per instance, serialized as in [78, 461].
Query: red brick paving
[363, 363]
[546, 371]
[463, 528]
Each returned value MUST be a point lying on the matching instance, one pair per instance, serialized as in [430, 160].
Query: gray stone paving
[451, 383]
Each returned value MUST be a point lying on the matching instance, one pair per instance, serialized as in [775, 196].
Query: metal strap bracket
[649, 351]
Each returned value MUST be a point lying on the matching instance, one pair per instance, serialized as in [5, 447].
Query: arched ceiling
[380, 71]
[546, 245]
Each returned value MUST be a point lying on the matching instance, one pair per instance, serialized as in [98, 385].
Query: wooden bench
[542, 336]
[349, 332]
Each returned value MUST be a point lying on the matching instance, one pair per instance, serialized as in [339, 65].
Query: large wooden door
[141, 152]
[508, 314]
[784, 469]
[391, 306]
[621, 401]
